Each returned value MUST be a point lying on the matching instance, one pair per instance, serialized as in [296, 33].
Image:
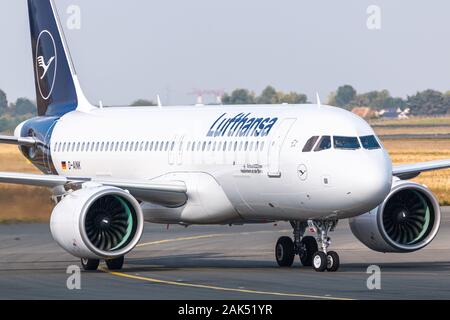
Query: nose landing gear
[324, 260]
[307, 248]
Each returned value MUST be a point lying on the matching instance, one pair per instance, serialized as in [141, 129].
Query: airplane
[112, 169]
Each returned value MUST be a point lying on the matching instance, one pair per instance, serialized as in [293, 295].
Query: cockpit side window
[324, 144]
[370, 143]
[346, 143]
[310, 144]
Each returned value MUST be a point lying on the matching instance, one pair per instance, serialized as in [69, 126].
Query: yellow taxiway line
[207, 236]
[216, 288]
[212, 287]
[181, 239]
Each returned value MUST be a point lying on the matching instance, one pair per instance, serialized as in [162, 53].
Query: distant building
[395, 113]
[365, 112]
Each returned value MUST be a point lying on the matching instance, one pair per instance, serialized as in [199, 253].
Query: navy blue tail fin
[57, 88]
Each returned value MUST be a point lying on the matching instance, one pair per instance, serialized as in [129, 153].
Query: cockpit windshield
[370, 143]
[324, 144]
[310, 144]
[318, 143]
[346, 143]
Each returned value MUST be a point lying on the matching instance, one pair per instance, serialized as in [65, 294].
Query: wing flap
[169, 194]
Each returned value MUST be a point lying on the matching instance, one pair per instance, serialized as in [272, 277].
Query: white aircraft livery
[111, 169]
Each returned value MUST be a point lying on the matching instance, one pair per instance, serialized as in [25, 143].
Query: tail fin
[57, 88]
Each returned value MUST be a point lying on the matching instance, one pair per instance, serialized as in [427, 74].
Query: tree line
[13, 113]
[268, 96]
[423, 103]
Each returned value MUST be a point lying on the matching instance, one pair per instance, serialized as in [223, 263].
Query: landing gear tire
[285, 252]
[320, 261]
[90, 264]
[309, 248]
[115, 264]
[332, 261]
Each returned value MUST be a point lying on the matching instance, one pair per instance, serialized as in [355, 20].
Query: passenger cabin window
[324, 144]
[370, 143]
[346, 143]
[310, 144]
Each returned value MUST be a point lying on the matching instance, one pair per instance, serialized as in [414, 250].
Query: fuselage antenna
[319, 103]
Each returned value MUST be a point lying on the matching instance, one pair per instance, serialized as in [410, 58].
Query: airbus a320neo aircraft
[111, 169]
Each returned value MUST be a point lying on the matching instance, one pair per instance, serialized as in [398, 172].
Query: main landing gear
[112, 264]
[307, 248]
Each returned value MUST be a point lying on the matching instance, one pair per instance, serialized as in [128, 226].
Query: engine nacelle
[407, 221]
[97, 222]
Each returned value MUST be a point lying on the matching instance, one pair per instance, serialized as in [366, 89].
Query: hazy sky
[139, 48]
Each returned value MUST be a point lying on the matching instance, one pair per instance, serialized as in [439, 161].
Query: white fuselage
[234, 173]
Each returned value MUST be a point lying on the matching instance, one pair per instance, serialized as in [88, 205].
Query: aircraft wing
[167, 193]
[410, 171]
[28, 142]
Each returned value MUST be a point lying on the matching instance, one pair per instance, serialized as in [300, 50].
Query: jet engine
[97, 222]
[407, 221]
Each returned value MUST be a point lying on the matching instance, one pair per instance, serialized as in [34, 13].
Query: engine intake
[98, 222]
[408, 220]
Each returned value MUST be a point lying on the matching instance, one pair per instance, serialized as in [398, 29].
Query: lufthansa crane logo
[43, 65]
[46, 64]
[302, 172]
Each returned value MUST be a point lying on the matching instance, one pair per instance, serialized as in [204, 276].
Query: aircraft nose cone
[376, 180]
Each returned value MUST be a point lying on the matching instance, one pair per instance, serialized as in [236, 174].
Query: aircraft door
[275, 148]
